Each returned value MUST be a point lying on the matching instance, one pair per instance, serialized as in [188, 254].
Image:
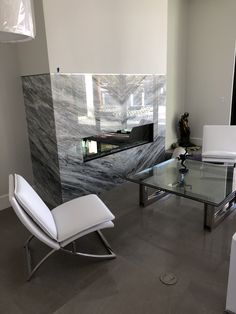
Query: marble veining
[42, 137]
[63, 108]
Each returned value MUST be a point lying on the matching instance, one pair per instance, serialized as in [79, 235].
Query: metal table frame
[213, 215]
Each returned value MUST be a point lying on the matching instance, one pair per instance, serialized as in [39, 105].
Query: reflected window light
[161, 115]
[143, 97]
[132, 100]
[234, 179]
[90, 117]
[104, 99]
[92, 147]
[89, 94]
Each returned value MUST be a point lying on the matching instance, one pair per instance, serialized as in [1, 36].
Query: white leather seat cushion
[104, 225]
[34, 206]
[221, 154]
[80, 214]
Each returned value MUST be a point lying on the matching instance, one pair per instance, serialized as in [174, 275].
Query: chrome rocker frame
[32, 269]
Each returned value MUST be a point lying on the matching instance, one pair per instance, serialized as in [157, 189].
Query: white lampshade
[16, 21]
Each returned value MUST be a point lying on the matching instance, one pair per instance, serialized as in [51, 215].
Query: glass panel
[204, 182]
[111, 142]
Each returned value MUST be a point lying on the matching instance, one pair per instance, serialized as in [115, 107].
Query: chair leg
[31, 271]
[110, 254]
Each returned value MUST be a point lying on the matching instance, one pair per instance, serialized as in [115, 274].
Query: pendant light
[16, 21]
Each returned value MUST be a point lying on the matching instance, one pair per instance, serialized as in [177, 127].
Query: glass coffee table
[213, 185]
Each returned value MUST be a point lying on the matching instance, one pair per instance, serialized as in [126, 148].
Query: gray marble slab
[42, 137]
[73, 106]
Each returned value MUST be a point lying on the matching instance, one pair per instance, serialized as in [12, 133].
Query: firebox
[108, 143]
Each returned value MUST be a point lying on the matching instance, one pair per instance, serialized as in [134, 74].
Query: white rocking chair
[61, 226]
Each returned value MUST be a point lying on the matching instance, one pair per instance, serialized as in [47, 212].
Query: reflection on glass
[207, 183]
[89, 95]
[90, 117]
[162, 115]
[113, 102]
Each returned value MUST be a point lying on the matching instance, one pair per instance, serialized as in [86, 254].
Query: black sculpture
[184, 131]
[183, 157]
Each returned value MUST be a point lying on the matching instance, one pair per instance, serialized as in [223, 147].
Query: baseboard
[4, 201]
[196, 140]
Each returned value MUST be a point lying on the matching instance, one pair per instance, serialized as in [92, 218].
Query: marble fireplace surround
[61, 109]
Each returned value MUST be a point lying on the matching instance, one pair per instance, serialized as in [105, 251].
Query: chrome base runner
[213, 215]
[110, 254]
[31, 269]
[146, 199]
[73, 251]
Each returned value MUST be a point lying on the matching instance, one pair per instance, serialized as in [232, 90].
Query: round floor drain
[168, 279]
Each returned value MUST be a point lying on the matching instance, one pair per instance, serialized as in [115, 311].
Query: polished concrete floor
[164, 237]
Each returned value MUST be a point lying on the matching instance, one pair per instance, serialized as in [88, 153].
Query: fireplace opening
[107, 143]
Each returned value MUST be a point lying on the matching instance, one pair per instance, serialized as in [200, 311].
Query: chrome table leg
[213, 215]
[146, 199]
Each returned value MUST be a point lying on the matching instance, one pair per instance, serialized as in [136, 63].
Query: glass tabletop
[204, 182]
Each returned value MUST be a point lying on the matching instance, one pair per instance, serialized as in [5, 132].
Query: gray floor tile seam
[124, 292]
[182, 253]
[64, 308]
[143, 234]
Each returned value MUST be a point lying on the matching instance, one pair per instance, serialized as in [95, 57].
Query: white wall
[16, 60]
[14, 148]
[211, 41]
[106, 36]
[33, 55]
[176, 66]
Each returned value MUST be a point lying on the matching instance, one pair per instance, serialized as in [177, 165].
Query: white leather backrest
[34, 206]
[27, 221]
[219, 138]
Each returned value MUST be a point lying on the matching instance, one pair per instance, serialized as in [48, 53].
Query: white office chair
[61, 226]
[219, 144]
